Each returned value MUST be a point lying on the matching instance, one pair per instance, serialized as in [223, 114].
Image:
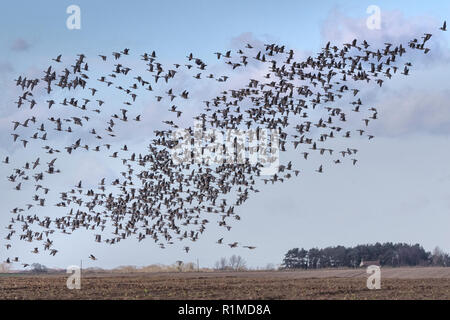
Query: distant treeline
[388, 254]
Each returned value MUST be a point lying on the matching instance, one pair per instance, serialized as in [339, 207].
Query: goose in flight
[173, 194]
[35, 163]
[233, 245]
[58, 58]
[16, 124]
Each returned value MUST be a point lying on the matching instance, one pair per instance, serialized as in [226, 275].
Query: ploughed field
[396, 283]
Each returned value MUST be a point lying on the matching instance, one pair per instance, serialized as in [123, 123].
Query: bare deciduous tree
[222, 264]
[237, 262]
[270, 266]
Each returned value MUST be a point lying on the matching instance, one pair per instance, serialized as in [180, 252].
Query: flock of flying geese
[154, 198]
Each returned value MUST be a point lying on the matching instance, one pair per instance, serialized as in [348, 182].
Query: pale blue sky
[398, 191]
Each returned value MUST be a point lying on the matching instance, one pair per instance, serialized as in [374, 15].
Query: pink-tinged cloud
[406, 104]
[414, 111]
[6, 67]
[20, 45]
[395, 27]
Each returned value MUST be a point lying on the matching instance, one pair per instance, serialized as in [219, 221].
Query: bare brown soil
[396, 283]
